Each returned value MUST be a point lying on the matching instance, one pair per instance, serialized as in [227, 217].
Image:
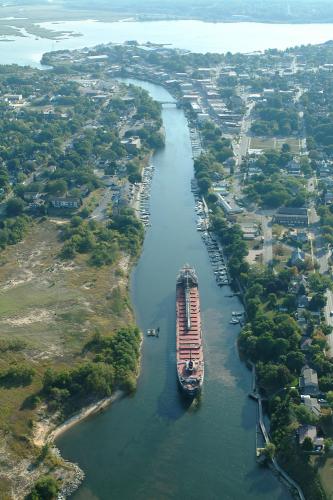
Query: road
[267, 251]
[323, 255]
[241, 148]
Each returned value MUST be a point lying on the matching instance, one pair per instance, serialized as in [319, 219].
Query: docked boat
[190, 362]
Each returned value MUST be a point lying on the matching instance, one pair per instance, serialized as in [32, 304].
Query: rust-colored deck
[189, 342]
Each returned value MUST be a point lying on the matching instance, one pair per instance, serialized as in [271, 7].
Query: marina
[144, 195]
[196, 143]
[214, 248]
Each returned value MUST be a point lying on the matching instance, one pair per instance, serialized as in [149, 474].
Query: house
[31, 195]
[65, 202]
[289, 216]
[297, 257]
[302, 302]
[312, 405]
[328, 198]
[294, 168]
[306, 344]
[308, 382]
[302, 237]
[37, 204]
[310, 431]
[132, 144]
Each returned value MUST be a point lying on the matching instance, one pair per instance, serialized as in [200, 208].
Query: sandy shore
[83, 414]
[45, 433]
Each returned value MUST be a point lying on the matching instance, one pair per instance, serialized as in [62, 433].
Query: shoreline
[82, 415]
[48, 432]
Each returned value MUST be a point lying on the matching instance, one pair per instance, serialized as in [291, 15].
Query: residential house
[294, 168]
[297, 257]
[310, 431]
[312, 404]
[308, 382]
[132, 144]
[306, 344]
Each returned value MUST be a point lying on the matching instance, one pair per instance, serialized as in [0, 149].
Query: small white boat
[234, 321]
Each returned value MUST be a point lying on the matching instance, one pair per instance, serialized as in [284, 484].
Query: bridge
[168, 102]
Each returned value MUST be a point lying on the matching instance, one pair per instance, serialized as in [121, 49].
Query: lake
[196, 36]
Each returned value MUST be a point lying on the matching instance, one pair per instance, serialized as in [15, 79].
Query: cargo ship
[190, 362]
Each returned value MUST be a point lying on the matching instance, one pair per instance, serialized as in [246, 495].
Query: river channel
[154, 446]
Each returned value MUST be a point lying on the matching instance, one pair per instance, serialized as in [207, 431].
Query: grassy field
[54, 307]
[267, 143]
[326, 476]
[51, 303]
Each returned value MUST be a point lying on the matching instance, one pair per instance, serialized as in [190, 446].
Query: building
[132, 144]
[308, 382]
[65, 202]
[310, 431]
[226, 205]
[289, 216]
[294, 168]
[312, 405]
[297, 257]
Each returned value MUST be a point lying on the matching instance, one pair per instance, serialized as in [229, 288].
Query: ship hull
[189, 349]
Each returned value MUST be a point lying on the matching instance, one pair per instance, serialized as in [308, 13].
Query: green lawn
[267, 143]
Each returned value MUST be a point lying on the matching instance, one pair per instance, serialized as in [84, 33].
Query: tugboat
[190, 362]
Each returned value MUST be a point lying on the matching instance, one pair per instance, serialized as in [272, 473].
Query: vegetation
[209, 167]
[13, 230]
[276, 116]
[273, 187]
[111, 362]
[46, 488]
[53, 144]
[103, 242]
[231, 237]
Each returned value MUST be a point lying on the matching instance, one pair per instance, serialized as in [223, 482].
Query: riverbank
[84, 293]
[45, 434]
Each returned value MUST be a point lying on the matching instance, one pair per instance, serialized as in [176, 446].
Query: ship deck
[189, 341]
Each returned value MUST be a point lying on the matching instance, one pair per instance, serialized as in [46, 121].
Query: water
[153, 445]
[196, 36]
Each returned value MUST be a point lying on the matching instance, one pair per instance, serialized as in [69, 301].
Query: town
[263, 162]
[260, 127]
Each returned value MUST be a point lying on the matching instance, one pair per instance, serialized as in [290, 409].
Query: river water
[154, 446]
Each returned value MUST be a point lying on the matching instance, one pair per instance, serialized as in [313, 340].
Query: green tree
[46, 488]
[14, 207]
[317, 302]
[307, 444]
[269, 451]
